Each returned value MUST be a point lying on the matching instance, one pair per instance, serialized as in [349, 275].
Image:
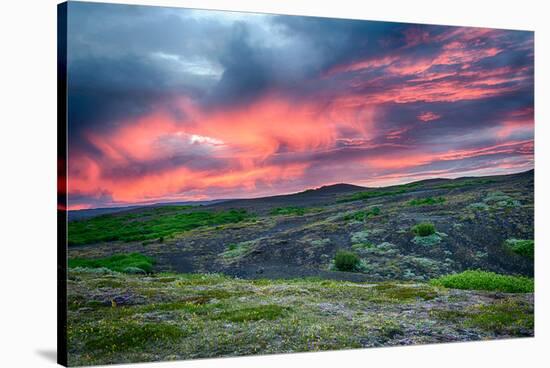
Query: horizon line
[168, 203]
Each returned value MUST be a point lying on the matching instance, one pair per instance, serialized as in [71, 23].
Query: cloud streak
[170, 104]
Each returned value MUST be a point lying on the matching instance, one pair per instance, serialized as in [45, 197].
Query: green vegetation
[361, 196]
[405, 292]
[211, 315]
[479, 206]
[288, 211]
[258, 313]
[428, 201]
[236, 251]
[424, 229]
[508, 317]
[362, 215]
[461, 183]
[483, 280]
[346, 261]
[522, 247]
[505, 317]
[119, 262]
[159, 223]
[429, 240]
[118, 336]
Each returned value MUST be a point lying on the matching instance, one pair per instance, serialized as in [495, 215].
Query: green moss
[429, 201]
[461, 183]
[289, 211]
[507, 317]
[405, 292]
[261, 312]
[115, 336]
[362, 196]
[483, 280]
[522, 247]
[154, 224]
[117, 262]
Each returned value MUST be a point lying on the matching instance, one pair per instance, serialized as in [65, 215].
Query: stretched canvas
[234, 183]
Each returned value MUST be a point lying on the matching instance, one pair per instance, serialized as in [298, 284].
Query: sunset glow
[180, 106]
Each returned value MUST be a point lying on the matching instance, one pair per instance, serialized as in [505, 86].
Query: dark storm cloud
[168, 102]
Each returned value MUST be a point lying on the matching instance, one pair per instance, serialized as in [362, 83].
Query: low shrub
[483, 280]
[346, 261]
[522, 247]
[424, 229]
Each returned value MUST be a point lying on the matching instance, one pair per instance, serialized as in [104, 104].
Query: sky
[172, 104]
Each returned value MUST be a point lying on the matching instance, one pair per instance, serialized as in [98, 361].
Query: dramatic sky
[169, 104]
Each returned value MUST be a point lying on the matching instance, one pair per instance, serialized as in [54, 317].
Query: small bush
[483, 280]
[346, 261]
[424, 229]
[522, 247]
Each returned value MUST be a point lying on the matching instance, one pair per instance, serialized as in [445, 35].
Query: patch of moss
[257, 313]
[507, 317]
[510, 317]
[289, 211]
[117, 262]
[428, 201]
[115, 336]
[483, 280]
[405, 292]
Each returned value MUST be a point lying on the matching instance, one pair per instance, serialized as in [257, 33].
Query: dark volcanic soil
[477, 216]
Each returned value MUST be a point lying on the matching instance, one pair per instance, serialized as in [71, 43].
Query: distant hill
[311, 197]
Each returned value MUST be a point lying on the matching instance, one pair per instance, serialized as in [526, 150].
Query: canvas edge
[62, 184]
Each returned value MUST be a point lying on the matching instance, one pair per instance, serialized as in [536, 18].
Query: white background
[28, 181]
